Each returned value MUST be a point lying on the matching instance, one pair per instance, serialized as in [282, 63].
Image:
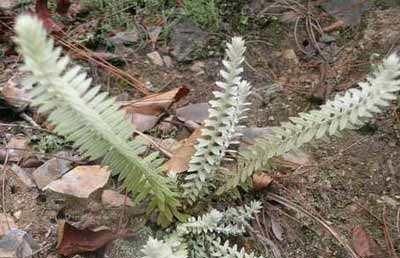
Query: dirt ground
[352, 181]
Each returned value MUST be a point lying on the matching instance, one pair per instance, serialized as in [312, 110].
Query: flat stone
[185, 38]
[115, 199]
[168, 61]
[24, 176]
[17, 244]
[50, 171]
[198, 67]
[125, 37]
[8, 4]
[155, 58]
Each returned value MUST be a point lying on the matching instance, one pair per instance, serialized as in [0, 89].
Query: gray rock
[17, 244]
[25, 177]
[168, 61]
[50, 171]
[186, 37]
[8, 4]
[155, 58]
[125, 37]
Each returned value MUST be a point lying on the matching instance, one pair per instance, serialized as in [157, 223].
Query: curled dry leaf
[145, 113]
[181, 156]
[261, 181]
[72, 241]
[81, 181]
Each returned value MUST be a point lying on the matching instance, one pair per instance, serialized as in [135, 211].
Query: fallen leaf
[81, 181]
[179, 161]
[17, 149]
[50, 171]
[6, 224]
[17, 244]
[115, 199]
[144, 113]
[72, 241]
[193, 112]
[363, 244]
[261, 181]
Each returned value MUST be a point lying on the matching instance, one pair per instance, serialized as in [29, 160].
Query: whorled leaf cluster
[202, 237]
[225, 113]
[347, 111]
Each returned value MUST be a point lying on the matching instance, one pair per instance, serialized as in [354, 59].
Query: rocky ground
[337, 198]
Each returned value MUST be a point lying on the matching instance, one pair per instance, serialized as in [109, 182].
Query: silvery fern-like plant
[164, 249]
[201, 236]
[346, 111]
[225, 113]
[90, 119]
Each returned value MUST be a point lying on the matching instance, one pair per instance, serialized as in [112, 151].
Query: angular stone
[186, 37]
[50, 171]
[125, 37]
[155, 58]
[25, 177]
[115, 199]
[17, 244]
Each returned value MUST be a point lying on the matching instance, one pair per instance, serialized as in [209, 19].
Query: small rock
[17, 214]
[290, 55]
[115, 199]
[17, 244]
[193, 112]
[186, 37]
[125, 37]
[8, 4]
[50, 171]
[23, 176]
[155, 58]
[168, 61]
[198, 67]
[6, 224]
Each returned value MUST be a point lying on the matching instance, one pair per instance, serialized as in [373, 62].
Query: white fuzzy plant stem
[346, 111]
[225, 113]
[201, 237]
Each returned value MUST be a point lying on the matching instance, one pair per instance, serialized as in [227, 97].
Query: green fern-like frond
[220, 128]
[346, 111]
[90, 119]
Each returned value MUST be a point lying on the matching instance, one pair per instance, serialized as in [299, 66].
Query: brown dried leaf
[144, 113]
[261, 181]
[181, 156]
[81, 181]
[72, 241]
[363, 244]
